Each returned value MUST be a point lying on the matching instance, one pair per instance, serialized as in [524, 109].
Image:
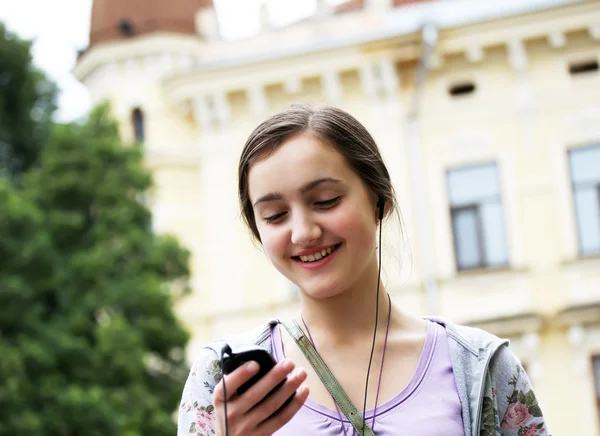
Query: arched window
[137, 119]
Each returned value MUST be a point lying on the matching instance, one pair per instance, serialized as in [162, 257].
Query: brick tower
[114, 20]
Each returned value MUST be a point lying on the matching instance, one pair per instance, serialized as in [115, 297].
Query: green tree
[89, 343]
[27, 104]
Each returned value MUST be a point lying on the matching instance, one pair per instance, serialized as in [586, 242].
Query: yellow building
[487, 113]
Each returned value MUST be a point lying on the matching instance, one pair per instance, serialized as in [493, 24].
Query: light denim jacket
[494, 390]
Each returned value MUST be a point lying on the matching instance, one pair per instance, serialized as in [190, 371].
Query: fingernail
[302, 389]
[252, 367]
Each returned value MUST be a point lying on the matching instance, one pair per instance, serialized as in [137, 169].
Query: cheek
[352, 224]
[273, 242]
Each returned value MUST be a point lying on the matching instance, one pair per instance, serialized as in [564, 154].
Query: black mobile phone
[236, 358]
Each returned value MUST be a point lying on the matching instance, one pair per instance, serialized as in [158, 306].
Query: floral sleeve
[510, 407]
[523, 416]
[196, 409]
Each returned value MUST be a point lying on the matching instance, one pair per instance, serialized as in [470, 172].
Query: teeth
[317, 256]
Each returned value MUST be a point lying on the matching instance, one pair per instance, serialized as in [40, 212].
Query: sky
[60, 28]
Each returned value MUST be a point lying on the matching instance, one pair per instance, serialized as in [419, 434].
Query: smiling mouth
[318, 255]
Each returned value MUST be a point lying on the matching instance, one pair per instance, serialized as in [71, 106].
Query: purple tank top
[428, 405]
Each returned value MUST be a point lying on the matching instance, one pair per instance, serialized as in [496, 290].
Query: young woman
[312, 188]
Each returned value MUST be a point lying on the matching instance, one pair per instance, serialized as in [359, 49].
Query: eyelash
[325, 204]
[328, 203]
[272, 219]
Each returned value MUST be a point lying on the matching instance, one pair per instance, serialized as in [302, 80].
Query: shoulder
[481, 346]
[206, 368]
[472, 339]
[505, 363]
[260, 336]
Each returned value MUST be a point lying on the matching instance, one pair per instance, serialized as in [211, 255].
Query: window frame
[574, 209]
[454, 210]
[138, 123]
[596, 358]
[483, 263]
[598, 196]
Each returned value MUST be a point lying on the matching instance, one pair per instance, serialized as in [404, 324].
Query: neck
[347, 316]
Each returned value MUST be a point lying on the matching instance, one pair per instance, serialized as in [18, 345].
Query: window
[126, 27]
[462, 89]
[585, 178]
[137, 119]
[477, 217]
[596, 368]
[584, 67]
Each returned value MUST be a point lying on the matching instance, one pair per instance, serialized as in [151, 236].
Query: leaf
[192, 428]
[535, 411]
[521, 397]
[530, 399]
[487, 417]
[209, 408]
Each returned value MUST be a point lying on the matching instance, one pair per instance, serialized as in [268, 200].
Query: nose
[305, 230]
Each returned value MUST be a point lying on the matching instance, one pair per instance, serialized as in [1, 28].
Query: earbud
[381, 206]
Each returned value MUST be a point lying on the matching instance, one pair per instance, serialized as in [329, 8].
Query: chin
[321, 290]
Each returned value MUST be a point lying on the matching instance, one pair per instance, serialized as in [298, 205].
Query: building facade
[488, 116]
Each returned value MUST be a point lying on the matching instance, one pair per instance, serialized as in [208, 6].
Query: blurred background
[487, 114]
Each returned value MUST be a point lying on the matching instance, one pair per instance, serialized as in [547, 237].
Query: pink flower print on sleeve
[516, 414]
[203, 425]
[533, 430]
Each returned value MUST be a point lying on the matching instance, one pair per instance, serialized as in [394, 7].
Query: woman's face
[316, 218]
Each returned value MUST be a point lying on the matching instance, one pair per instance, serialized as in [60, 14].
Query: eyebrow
[305, 188]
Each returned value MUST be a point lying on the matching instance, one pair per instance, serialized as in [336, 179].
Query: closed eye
[325, 204]
[271, 219]
[328, 203]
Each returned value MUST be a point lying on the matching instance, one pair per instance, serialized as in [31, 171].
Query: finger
[275, 401]
[277, 421]
[262, 387]
[234, 380]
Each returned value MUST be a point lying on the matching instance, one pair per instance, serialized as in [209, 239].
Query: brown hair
[328, 124]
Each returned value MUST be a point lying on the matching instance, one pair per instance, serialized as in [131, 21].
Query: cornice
[146, 45]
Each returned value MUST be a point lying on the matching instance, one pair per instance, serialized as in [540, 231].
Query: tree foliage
[89, 342]
[27, 103]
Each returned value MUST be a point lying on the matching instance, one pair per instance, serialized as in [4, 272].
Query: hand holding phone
[262, 396]
[233, 360]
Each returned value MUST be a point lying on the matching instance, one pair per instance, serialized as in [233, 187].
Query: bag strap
[327, 378]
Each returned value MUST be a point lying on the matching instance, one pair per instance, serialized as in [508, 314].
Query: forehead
[300, 159]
